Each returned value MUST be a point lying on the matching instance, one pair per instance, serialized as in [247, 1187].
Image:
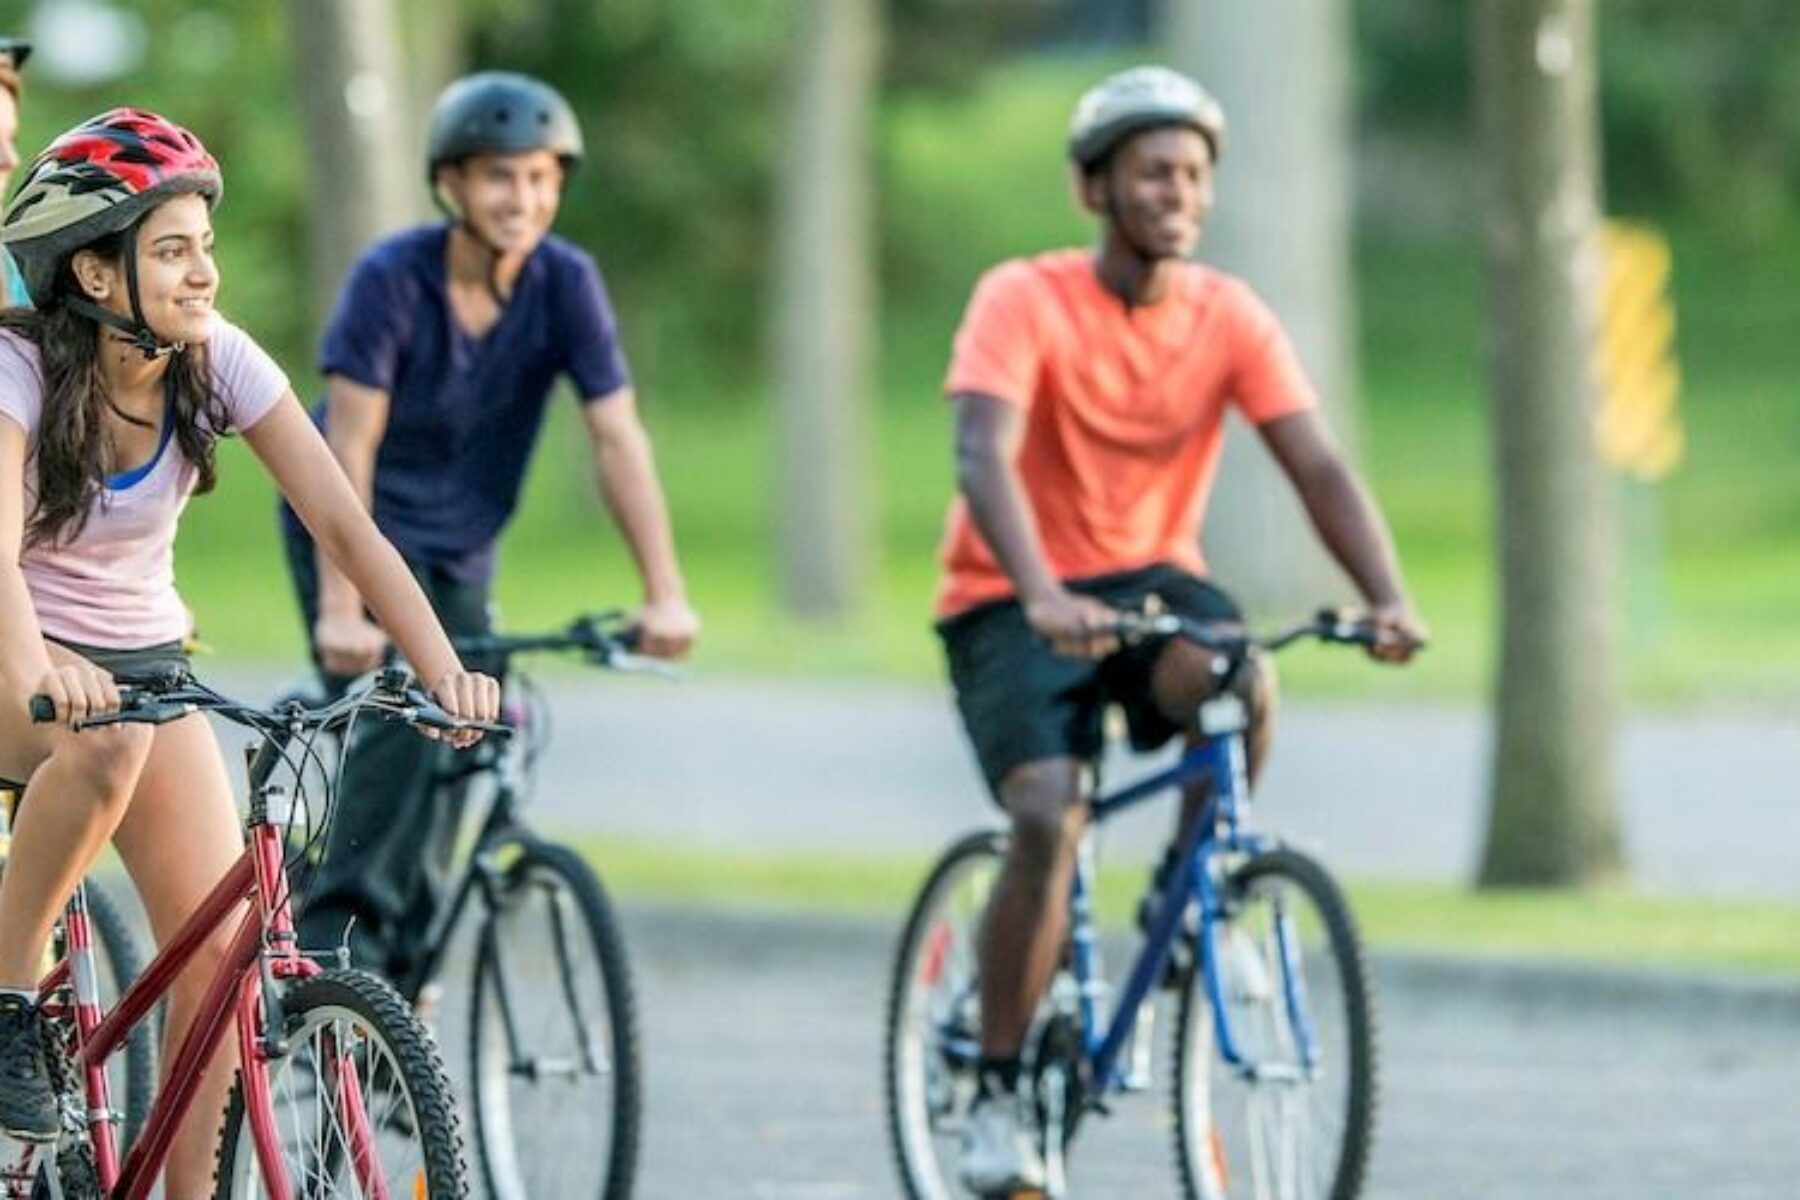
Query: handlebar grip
[43, 709]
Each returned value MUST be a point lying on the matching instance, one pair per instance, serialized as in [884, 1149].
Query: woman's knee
[105, 764]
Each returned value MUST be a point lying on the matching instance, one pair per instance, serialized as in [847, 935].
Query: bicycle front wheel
[361, 1106]
[553, 1036]
[934, 1017]
[1293, 1119]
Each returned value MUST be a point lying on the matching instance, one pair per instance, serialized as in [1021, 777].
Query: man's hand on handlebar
[665, 629]
[1399, 634]
[1076, 626]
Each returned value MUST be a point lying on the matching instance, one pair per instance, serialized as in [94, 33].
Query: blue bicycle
[1274, 1045]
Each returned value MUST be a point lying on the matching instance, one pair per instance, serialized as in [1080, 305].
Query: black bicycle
[554, 1075]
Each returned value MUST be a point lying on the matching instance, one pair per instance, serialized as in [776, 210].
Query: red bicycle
[340, 1090]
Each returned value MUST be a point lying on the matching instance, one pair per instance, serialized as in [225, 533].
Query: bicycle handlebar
[1327, 625]
[604, 639]
[158, 699]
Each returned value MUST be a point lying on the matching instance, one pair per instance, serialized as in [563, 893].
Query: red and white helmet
[99, 178]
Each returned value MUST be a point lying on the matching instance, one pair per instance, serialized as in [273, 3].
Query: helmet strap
[137, 331]
[139, 336]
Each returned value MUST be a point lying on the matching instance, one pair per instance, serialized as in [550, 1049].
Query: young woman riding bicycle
[115, 391]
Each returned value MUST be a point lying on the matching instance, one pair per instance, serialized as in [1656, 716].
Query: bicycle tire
[1219, 1161]
[395, 1050]
[595, 1051]
[116, 946]
[923, 1089]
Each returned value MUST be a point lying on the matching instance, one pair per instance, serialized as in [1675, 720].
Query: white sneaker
[426, 1007]
[999, 1153]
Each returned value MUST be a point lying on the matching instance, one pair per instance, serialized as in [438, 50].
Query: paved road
[1711, 800]
[762, 1045]
[762, 1033]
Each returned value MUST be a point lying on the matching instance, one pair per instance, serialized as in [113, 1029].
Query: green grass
[1606, 927]
[1709, 571]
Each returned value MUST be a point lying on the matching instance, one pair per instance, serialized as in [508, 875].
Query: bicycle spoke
[1294, 1120]
[347, 1113]
[543, 1036]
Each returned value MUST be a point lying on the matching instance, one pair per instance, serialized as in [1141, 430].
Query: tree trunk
[1282, 223]
[360, 172]
[1553, 819]
[435, 35]
[824, 305]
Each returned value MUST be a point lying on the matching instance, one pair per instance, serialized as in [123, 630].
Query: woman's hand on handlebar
[469, 696]
[77, 690]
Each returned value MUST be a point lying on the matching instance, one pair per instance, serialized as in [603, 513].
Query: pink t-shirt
[114, 585]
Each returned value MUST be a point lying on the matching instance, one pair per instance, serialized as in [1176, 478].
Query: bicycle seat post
[1226, 716]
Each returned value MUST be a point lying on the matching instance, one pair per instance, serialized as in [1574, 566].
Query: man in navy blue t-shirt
[439, 360]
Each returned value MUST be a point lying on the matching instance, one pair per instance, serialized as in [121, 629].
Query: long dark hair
[71, 453]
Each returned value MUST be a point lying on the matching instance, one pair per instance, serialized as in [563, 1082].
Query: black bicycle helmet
[500, 112]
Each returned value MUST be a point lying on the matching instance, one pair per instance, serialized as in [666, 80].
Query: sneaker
[999, 1154]
[428, 1006]
[28, 1108]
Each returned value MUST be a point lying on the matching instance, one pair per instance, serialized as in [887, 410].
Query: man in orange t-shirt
[1091, 388]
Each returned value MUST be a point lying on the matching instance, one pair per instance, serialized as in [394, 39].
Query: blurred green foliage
[683, 105]
[1699, 103]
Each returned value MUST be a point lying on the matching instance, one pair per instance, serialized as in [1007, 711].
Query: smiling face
[177, 278]
[1156, 191]
[510, 200]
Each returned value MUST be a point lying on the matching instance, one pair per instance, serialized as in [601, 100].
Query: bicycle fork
[519, 1062]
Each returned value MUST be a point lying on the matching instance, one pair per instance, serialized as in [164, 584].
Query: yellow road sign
[1638, 426]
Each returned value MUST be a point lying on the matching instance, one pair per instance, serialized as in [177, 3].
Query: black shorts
[1021, 701]
[125, 666]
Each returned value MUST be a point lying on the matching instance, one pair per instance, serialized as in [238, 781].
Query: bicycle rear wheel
[394, 1132]
[934, 1019]
[1289, 968]
[553, 1036]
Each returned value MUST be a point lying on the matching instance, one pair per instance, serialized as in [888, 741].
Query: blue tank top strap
[137, 474]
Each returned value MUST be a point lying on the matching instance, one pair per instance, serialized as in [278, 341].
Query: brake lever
[145, 712]
[416, 707]
[135, 707]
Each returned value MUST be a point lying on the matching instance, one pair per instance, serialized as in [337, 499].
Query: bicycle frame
[1216, 831]
[481, 874]
[263, 949]
[500, 824]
